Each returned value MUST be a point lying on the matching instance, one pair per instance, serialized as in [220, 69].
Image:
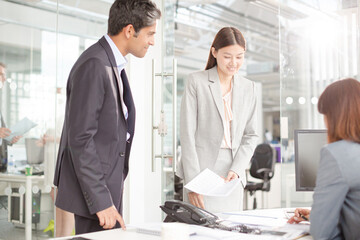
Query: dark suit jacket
[93, 156]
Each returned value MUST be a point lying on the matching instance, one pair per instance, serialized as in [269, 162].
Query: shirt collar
[227, 96]
[119, 58]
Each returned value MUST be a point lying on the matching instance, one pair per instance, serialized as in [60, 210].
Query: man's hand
[231, 176]
[108, 218]
[15, 139]
[4, 132]
[196, 199]
[300, 215]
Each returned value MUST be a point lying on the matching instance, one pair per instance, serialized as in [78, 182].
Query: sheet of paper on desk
[209, 183]
[210, 233]
[269, 224]
[154, 228]
[257, 220]
[20, 128]
[204, 233]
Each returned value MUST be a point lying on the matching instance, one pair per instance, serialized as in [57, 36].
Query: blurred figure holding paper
[4, 131]
[218, 121]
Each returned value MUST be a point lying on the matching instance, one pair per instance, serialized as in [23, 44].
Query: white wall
[142, 196]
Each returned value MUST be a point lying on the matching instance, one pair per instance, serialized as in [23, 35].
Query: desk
[201, 232]
[28, 181]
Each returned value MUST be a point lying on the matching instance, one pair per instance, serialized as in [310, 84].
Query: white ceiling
[196, 23]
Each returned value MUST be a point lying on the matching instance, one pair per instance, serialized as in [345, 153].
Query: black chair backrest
[262, 158]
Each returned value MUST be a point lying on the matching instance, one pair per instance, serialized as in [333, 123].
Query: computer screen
[308, 144]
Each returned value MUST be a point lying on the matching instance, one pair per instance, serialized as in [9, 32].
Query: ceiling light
[314, 100]
[302, 100]
[289, 100]
[13, 86]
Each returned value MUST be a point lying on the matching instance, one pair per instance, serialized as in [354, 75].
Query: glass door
[168, 103]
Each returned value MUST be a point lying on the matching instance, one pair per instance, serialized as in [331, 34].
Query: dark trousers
[87, 225]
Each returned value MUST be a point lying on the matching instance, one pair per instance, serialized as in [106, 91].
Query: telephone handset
[178, 211]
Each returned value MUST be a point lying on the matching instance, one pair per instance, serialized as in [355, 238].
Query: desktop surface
[273, 217]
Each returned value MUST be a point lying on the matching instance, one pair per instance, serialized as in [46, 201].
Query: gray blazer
[93, 154]
[201, 124]
[335, 213]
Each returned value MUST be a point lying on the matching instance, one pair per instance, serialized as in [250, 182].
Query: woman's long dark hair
[227, 36]
[340, 103]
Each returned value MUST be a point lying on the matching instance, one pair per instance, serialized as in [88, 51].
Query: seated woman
[335, 211]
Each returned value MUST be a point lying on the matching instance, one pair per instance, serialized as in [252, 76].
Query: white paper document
[209, 183]
[20, 128]
[256, 220]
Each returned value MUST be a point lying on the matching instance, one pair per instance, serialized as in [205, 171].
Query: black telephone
[178, 211]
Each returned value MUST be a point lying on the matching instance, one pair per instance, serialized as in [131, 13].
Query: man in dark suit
[99, 121]
[4, 131]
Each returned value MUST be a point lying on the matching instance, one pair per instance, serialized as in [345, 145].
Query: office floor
[10, 232]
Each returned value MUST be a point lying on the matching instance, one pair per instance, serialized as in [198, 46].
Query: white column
[142, 195]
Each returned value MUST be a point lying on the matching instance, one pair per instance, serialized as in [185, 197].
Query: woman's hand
[231, 176]
[300, 215]
[196, 199]
[15, 139]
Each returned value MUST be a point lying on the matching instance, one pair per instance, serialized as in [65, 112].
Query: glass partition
[168, 175]
[196, 25]
[319, 44]
[39, 43]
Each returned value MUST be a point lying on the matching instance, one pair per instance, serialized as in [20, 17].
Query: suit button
[122, 154]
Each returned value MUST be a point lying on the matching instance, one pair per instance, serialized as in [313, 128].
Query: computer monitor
[308, 144]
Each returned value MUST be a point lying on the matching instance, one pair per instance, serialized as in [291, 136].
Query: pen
[303, 217]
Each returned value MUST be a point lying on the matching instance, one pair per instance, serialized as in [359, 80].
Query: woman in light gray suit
[335, 212]
[218, 121]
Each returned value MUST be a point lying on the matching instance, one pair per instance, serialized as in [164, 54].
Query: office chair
[262, 167]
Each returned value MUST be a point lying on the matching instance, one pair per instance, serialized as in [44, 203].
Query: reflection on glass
[317, 47]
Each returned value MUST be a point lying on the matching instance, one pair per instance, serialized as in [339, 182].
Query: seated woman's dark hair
[340, 103]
